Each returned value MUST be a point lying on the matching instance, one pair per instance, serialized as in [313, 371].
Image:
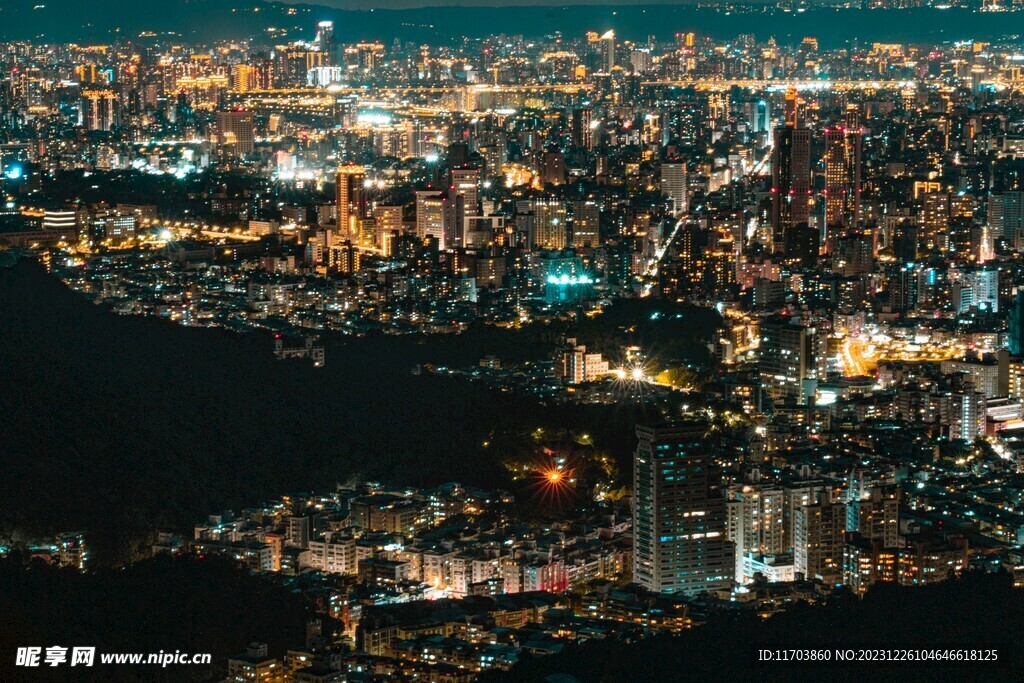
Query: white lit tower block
[673, 184]
[679, 516]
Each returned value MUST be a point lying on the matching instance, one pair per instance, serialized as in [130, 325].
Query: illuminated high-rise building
[368, 55]
[674, 184]
[792, 357]
[432, 220]
[325, 41]
[756, 516]
[679, 517]
[243, 78]
[875, 514]
[934, 222]
[757, 116]
[344, 258]
[87, 74]
[680, 274]
[719, 263]
[466, 181]
[1016, 322]
[586, 224]
[842, 181]
[387, 224]
[718, 109]
[818, 535]
[791, 177]
[236, 131]
[1006, 217]
[582, 130]
[98, 109]
[550, 224]
[350, 188]
[794, 109]
[608, 52]
[978, 289]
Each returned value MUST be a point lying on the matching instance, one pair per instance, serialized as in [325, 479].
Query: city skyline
[561, 354]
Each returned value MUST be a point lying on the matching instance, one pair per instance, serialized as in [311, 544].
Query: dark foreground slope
[119, 425]
[164, 604]
[980, 611]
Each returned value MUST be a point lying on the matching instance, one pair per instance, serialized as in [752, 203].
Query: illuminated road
[760, 83]
[241, 236]
[402, 91]
[652, 266]
[856, 362]
[482, 97]
[763, 166]
[860, 357]
[181, 229]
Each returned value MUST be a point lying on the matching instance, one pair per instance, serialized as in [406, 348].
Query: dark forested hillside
[166, 603]
[118, 425]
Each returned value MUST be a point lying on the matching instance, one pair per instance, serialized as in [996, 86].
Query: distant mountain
[443, 20]
[70, 20]
[378, 5]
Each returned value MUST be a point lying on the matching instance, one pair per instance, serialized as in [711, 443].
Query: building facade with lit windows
[679, 516]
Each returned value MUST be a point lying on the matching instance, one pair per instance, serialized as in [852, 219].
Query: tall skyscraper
[904, 287]
[934, 220]
[1006, 217]
[985, 289]
[679, 520]
[350, 187]
[673, 184]
[718, 109]
[757, 116]
[608, 52]
[237, 131]
[818, 532]
[387, 225]
[245, 77]
[1016, 315]
[791, 176]
[98, 110]
[432, 220]
[466, 181]
[550, 224]
[582, 132]
[325, 41]
[586, 224]
[842, 182]
[756, 522]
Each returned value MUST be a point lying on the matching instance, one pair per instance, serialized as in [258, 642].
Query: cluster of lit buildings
[449, 582]
[508, 177]
[444, 582]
